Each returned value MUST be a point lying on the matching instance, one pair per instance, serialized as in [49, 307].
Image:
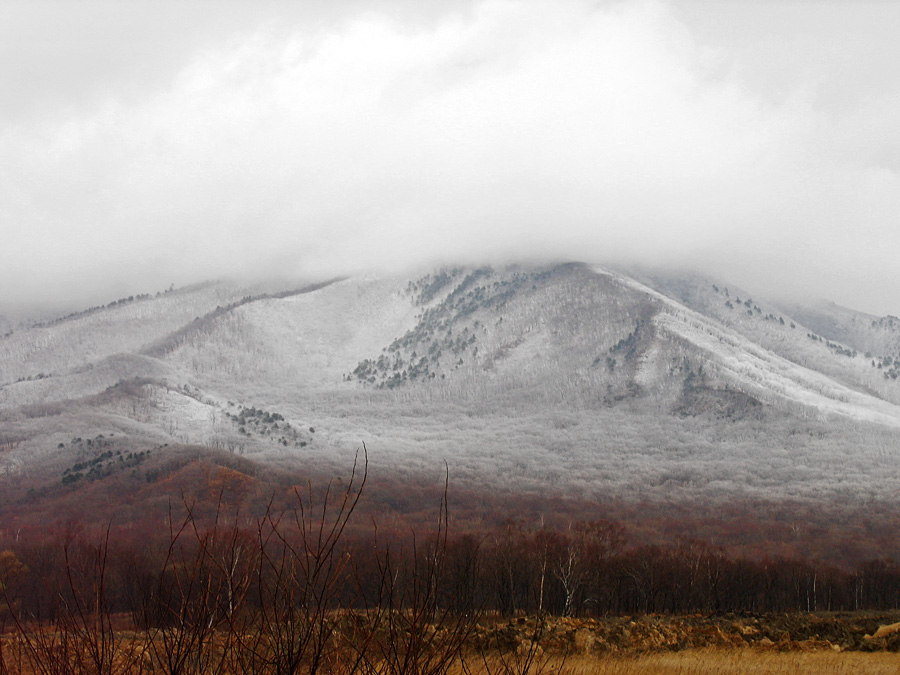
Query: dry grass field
[709, 661]
[737, 662]
[132, 654]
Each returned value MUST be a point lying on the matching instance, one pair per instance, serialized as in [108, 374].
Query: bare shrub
[298, 581]
[421, 630]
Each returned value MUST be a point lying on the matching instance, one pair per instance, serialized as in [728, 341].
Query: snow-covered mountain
[568, 377]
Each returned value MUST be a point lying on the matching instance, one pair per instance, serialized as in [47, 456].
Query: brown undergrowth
[561, 654]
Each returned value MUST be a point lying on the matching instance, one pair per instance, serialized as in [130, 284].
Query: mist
[314, 142]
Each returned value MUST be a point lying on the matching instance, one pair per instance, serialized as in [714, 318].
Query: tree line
[584, 569]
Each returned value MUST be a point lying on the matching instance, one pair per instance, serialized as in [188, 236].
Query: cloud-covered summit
[321, 141]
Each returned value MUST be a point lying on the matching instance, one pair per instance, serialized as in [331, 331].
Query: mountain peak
[476, 365]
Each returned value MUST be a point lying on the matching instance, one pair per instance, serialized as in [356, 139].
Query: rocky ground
[777, 632]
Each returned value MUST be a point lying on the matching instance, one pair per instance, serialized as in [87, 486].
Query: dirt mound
[778, 632]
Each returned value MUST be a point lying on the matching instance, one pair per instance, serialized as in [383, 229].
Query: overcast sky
[149, 143]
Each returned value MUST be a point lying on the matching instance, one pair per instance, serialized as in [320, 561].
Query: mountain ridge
[557, 377]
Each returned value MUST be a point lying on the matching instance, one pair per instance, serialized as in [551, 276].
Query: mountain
[563, 379]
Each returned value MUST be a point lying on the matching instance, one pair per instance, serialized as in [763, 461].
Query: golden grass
[706, 661]
[710, 661]
[737, 662]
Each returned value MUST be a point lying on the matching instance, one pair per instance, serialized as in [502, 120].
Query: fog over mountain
[155, 143]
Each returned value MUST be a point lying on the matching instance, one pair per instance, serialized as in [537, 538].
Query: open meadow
[745, 662]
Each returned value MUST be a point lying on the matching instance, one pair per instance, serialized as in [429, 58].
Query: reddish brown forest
[217, 521]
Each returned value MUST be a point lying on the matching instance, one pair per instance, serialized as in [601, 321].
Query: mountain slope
[772, 378]
[565, 377]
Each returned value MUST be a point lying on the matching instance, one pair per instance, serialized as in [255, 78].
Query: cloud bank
[490, 131]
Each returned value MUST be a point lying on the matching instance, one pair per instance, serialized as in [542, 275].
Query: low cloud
[505, 131]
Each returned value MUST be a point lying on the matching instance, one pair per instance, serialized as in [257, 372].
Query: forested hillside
[564, 378]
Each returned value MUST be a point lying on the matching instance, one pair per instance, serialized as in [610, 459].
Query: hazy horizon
[157, 143]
